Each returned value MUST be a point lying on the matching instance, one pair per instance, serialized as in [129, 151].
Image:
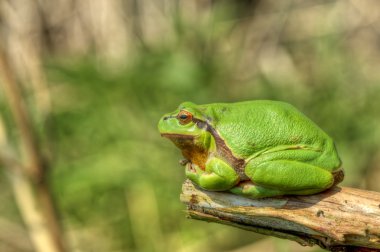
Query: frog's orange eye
[184, 117]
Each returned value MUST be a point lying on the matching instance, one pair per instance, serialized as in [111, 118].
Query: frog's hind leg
[288, 177]
[291, 171]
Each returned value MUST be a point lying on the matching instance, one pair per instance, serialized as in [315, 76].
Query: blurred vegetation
[117, 183]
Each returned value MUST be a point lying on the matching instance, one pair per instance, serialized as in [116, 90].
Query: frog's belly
[192, 152]
[196, 156]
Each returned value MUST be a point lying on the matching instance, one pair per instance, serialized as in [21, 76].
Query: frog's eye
[184, 117]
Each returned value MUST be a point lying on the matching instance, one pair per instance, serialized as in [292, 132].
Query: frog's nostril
[166, 118]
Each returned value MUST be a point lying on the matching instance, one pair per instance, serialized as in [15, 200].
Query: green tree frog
[255, 148]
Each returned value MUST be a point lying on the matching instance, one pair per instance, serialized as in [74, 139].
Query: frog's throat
[182, 141]
[221, 147]
[192, 152]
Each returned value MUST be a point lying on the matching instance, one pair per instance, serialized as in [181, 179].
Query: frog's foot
[184, 161]
[250, 190]
[338, 176]
[190, 167]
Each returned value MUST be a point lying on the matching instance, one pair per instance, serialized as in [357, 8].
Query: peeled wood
[339, 219]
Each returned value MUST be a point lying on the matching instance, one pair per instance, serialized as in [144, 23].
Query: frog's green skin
[254, 148]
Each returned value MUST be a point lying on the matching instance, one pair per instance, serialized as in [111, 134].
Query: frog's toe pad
[184, 161]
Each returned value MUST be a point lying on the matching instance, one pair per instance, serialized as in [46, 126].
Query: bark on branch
[340, 219]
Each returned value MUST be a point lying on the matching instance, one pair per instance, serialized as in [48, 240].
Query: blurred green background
[97, 76]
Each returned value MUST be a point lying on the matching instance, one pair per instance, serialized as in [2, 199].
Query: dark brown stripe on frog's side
[222, 148]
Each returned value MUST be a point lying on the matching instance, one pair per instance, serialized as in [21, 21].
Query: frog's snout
[162, 124]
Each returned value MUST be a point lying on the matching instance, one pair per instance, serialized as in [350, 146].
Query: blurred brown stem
[339, 219]
[19, 112]
[28, 177]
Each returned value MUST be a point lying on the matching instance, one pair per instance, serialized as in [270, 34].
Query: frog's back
[252, 126]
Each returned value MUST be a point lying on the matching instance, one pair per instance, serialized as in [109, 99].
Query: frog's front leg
[217, 176]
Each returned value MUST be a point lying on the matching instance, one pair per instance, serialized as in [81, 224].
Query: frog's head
[186, 126]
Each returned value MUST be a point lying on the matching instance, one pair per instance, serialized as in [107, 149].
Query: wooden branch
[339, 219]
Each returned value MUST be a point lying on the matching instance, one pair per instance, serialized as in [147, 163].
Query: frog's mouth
[172, 136]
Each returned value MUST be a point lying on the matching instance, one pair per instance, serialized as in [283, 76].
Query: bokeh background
[98, 74]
